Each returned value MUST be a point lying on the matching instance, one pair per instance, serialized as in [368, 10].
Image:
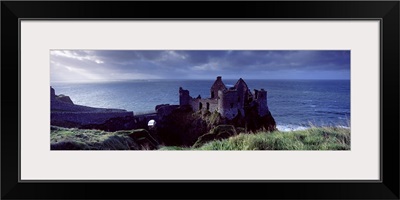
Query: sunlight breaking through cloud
[107, 65]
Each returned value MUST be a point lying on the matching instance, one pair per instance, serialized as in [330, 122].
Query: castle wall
[213, 104]
[217, 86]
[261, 99]
[195, 104]
[184, 97]
[243, 92]
[164, 110]
[228, 104]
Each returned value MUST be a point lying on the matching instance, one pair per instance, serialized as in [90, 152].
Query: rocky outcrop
[65, 113]
[165, 109]
[217, 133]
[181, 127]
[64, 98]
[184, 127]
[252, 120]
[52, 94]
[144, 139]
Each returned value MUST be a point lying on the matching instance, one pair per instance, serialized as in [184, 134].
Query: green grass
[315, 138]
[84, 139]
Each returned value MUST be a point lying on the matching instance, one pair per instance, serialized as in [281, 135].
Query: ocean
[295, 104]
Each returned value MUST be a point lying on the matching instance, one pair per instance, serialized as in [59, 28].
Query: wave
[292, 127]
[346, 127]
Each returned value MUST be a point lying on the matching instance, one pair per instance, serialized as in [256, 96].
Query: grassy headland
[314, 138]
[86, 139]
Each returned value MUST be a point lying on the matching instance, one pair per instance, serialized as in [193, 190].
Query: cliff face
[183, 126]
[67, 114]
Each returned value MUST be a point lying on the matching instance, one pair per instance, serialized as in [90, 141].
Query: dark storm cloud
[133, 64]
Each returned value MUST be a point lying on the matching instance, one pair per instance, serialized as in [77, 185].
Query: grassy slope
[323, 138]
[83, 139]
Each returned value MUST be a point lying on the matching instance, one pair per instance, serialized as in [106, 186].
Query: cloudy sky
[114, 65]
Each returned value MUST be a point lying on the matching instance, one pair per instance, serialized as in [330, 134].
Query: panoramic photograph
[192, 100]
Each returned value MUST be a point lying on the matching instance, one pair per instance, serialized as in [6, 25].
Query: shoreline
[293, 127]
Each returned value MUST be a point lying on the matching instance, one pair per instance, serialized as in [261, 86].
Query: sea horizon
[182, 79]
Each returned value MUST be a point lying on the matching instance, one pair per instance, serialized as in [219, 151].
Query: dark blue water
[294, 104]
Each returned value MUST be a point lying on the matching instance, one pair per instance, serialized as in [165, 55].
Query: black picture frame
[386, 11]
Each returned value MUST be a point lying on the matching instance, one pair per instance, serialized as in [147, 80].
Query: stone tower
[227, 103]
[184, 97]
[261, 99]
[217, 86]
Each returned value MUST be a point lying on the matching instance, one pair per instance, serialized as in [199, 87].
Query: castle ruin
[229, 102]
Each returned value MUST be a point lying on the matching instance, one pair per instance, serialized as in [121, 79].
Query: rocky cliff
[66, 114]
[183, 126]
